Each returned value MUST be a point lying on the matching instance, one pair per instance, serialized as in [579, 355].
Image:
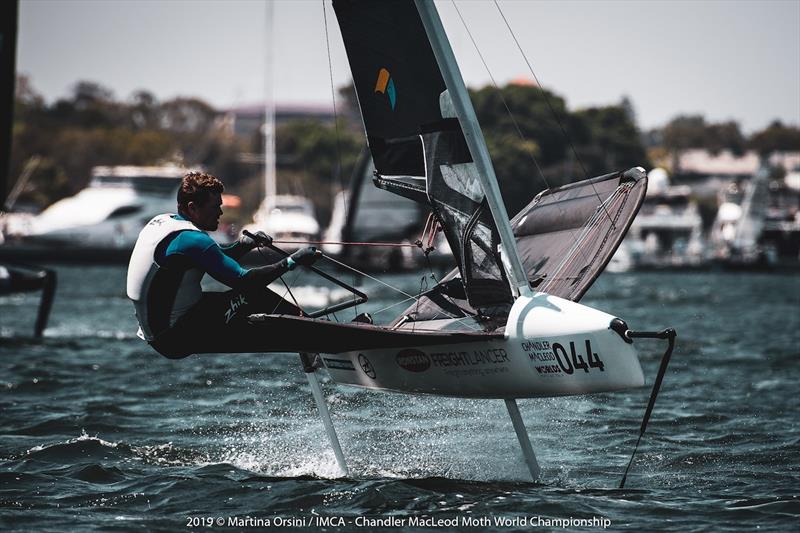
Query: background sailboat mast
[8, 55]
[754, 205]
[269, 107]
[475, 141]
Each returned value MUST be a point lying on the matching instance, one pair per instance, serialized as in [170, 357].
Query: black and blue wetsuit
[203, 252]
[175, 315]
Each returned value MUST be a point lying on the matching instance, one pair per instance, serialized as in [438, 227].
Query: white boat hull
[551, 347]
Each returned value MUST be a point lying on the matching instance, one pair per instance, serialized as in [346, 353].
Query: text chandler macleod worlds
[460, 521]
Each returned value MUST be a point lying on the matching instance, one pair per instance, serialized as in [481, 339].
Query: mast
[475, 142]
[754, 205]
[269, 109]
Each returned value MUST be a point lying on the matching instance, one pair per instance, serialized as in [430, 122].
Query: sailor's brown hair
[198, 187]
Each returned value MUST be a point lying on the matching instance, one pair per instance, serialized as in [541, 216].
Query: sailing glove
[304, 256]
[261, 239]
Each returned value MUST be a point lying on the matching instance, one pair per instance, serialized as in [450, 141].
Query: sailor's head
[200, 200]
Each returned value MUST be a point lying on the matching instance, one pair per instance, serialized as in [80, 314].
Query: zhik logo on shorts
[235, 304]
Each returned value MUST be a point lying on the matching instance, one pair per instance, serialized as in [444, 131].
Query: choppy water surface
[98, 432]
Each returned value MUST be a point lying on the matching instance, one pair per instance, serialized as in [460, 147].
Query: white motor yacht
[107, 216]
[288, 219]
[668, 231]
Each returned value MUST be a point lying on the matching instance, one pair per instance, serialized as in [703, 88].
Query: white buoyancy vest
[143, 268]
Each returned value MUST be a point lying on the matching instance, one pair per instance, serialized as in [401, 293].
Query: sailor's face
[206, 215]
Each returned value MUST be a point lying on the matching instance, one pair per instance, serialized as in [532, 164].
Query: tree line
[692, 131]
[535, 142]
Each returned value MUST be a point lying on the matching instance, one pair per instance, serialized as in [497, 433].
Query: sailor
[171, 256]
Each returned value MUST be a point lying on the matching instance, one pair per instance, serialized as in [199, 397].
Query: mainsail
[416, 141]
[564, 237]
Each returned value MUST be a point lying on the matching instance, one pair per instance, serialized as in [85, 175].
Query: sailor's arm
[201, 250]
[264, 275]
[236, 250]
[245, 244]
[209, 257]
[224, 269]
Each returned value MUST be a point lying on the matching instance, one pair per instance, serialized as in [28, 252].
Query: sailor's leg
[273, 303]
[522, 436]
[310, 366]
[262, 300]
[218, 324]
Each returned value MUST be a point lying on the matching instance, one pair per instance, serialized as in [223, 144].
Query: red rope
[395, 244]
[429, 232]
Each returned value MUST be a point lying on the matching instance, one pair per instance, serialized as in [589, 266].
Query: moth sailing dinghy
[506, 323]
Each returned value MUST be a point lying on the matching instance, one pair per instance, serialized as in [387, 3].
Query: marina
[669, 233]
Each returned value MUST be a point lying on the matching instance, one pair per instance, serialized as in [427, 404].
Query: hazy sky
[725, 59]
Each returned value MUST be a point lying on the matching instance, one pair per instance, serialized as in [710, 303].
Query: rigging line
[502, 98]
[458, 320]
[438, 330]
[444, 314]
[549, 104]
[450, 299]
[335, 111]
[390, 306]
[356, 271]
[288, 290]
[430, 268]
[408, 296]
[336, 125]
[508, 110]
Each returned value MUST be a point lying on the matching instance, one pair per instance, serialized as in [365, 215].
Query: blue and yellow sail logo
[385, 85]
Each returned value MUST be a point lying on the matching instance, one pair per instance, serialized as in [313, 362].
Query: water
[100, 433]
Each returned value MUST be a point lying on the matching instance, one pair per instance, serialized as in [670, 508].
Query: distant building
[698, 164]
[246, 120]
[702, 163]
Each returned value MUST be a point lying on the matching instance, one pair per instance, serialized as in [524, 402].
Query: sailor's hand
[251, 240]
[306, 256]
